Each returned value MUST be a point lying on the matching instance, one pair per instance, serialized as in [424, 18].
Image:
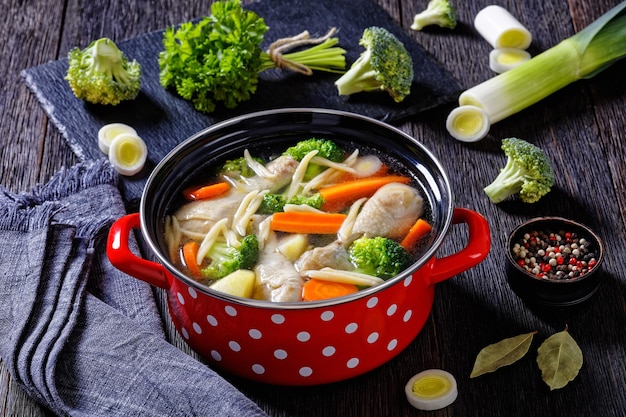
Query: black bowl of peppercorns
[552, 261]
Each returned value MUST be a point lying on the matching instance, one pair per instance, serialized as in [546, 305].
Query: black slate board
[163, 119]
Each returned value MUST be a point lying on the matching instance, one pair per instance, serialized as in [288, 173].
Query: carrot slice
[190, 253]
[307, 222]
[317, 289]
[339, 196]
[419, 229]
[206, 191]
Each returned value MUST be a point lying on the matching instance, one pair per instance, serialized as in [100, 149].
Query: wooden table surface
[582, 127]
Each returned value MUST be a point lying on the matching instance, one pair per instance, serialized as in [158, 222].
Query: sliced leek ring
[501, 29]
[504, 59]
[468, 123]
[432, 389]
[128, 154]
[108, 132]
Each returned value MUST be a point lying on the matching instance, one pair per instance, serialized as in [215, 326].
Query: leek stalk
[582, 55]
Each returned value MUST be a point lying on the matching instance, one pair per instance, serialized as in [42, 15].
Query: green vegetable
[438, 12]
[384, 65]
[227, 259]
[559, 357]
[102, 74]
[325, 148]
[583, 55]
[274, 202]
[238, 167]
[527, 172]
[218, 59]
[502, 353]
[378, 256]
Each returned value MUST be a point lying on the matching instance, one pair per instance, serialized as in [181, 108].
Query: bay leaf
[502, 353]
[559, 357]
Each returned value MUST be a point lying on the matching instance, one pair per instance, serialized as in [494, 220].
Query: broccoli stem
[360, 77]
[508, 182]
[108, 60]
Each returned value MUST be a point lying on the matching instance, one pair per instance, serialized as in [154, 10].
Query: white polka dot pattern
[280, 354]
[278, 318]
[334, 329]
[329, 351]
[231, 311]
[258, 369]
[303, 336]
[192, 292]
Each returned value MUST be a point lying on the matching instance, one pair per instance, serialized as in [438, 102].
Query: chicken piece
[390, 212]
[333, 255]
[276, 277]
[282, 170]
[199, 216]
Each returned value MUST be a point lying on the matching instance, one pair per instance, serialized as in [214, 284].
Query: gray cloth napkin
[79, 336]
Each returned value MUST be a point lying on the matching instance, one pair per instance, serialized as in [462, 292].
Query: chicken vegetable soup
[315, 221]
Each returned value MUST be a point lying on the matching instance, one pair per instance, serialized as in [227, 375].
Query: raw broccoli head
[226, 259]
[527, 172]
[102, 74]
[378, 256]
[438, 12]
[325, 148]
[384, 65]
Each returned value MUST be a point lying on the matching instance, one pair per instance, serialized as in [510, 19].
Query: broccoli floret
[378, 256]
[326, 149]
[238, 167]
[226, 259]
[274, 203]
[527, 172]
[384, 65]
[438, 12]
[102, 74]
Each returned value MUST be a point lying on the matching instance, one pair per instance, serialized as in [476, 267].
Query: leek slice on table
[432, 389]
[128, 154]
[582, 55]
[501, 29]
[108, 132]
[469, 123]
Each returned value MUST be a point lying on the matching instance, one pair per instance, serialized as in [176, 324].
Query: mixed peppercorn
[555, 256]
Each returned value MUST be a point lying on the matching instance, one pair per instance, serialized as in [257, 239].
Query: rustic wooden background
[582, 128]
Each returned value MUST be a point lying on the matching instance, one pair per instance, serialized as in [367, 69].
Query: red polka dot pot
[302, 343]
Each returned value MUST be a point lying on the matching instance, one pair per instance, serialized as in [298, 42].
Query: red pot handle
[476, 250]
[125, 260]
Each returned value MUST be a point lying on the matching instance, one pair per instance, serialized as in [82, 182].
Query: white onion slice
[108, 132]
[128, 154]
[501, 29]
[432, 389]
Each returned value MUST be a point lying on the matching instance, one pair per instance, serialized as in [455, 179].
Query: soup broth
[265, 225]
